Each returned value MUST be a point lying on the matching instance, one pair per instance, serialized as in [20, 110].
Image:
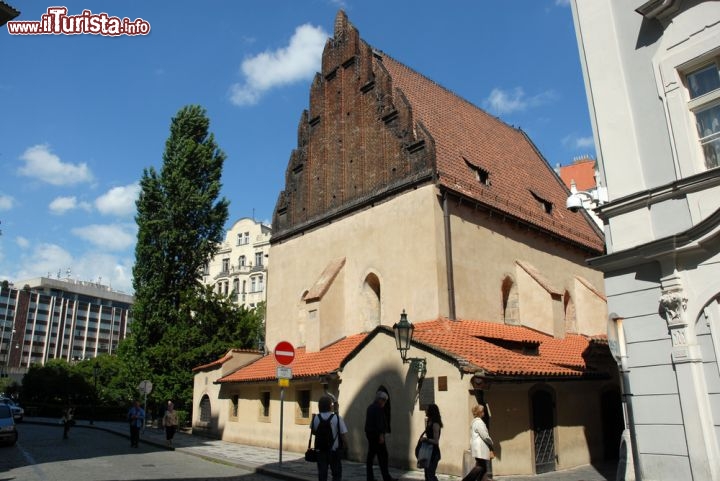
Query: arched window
[370, 305]
[205, 409]
[510, 307]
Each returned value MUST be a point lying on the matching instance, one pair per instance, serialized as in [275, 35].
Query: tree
[180, 226]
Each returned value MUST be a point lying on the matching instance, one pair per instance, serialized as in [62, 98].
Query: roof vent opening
[482, 175]
[546, 205]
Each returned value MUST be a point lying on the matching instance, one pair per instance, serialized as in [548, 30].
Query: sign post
[284, 355]
[145, 387]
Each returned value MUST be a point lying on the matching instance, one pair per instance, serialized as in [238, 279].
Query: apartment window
[226, 265]
[239, 239]
[241, 261]
[265, 404]
[260, 284]
[258, 259]
[704, 88]
[253, 283]
[246, 238]
[236, 286]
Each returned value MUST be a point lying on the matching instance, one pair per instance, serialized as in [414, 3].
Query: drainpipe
[449, 259]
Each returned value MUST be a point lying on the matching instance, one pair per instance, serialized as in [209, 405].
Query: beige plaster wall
[485, 249]
[204, 384]
[397, 240]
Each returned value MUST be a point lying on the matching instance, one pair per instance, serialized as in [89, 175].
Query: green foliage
[179, 324]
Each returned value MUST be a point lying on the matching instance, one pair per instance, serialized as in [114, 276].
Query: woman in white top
[481, 446]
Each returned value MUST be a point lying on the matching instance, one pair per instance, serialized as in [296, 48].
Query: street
[94, 455]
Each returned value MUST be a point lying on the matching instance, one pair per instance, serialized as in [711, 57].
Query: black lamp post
[404, 330]
[96, 371]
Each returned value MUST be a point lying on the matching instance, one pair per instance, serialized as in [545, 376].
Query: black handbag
[311, 455]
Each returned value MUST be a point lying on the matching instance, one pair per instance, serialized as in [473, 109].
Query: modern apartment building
[652, 74]
[239, 269]
[44, 318]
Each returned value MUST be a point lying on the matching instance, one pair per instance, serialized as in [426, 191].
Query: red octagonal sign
[284, 353]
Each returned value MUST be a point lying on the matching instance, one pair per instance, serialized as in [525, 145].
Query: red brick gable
[375, 127]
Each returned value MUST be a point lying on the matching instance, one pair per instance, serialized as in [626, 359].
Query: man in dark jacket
[375, 429]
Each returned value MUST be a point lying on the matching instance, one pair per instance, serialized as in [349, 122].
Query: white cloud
[45, 258]
[299, 60]
[60, 205]
[509, 101]
[119, 201]
[42, 164]
[114, 237]
[50, 260]
[562, 3]
[574, 142]
[22, 242]
[6, 202]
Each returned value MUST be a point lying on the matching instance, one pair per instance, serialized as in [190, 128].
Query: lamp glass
[403, 334]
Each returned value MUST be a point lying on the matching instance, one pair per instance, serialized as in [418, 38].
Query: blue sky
[83, 115]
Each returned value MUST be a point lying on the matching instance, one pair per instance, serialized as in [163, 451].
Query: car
[8, 431]
[17, 412]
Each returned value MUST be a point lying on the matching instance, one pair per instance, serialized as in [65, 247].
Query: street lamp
[404, 330]
[96, 371]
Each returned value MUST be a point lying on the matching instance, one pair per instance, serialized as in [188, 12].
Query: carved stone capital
[673, 306]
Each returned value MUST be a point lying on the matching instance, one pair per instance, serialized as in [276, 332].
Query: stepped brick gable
[375, 127]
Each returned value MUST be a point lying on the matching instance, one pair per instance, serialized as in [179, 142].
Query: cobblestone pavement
[293, 466]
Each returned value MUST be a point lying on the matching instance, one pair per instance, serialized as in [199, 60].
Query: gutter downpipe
[449, 259]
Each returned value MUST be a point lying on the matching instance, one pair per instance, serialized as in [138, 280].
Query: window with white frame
[703, 86]
[258, 259]
[226, 264]
[241, 261]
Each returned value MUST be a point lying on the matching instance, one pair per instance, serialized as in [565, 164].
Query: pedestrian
[330, 434]
[67, 420]
[375, 428]
[170, 421]
[136, 418]
[433, 427]
[481, 446]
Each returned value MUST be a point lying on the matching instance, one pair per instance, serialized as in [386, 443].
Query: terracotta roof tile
[222, 360]
[582, 172]
[465, 134]
[306, 364]
[496, 349]
[483, 346]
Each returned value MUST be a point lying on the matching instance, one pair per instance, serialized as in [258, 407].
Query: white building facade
[653, 84]
[239, 269]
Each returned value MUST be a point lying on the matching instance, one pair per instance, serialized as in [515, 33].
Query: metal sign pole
[282, 410]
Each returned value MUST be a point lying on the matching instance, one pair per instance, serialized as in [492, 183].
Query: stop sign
[284, 353]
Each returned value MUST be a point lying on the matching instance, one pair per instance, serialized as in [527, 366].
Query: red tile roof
[222, 360]
[582, 172]
[472, 345]
[518, 173]
[306, 364]
[483, 346]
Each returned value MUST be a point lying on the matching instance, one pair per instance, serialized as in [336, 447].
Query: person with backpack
[330, 433]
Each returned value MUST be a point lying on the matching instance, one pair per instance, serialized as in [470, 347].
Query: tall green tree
[181, 221]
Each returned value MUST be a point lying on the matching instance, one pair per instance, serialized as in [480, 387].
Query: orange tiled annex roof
[498, 350]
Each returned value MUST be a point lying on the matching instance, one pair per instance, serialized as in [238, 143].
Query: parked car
[17, 412]
[8, 431]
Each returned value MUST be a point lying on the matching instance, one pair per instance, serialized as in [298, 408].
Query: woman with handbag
[481, 446]
[433, 427]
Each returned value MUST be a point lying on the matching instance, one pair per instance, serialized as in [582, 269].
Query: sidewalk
[293, 466]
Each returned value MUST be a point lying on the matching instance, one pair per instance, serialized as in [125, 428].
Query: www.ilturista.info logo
[57, 22]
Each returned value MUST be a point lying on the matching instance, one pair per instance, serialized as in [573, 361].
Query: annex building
[402, 197]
